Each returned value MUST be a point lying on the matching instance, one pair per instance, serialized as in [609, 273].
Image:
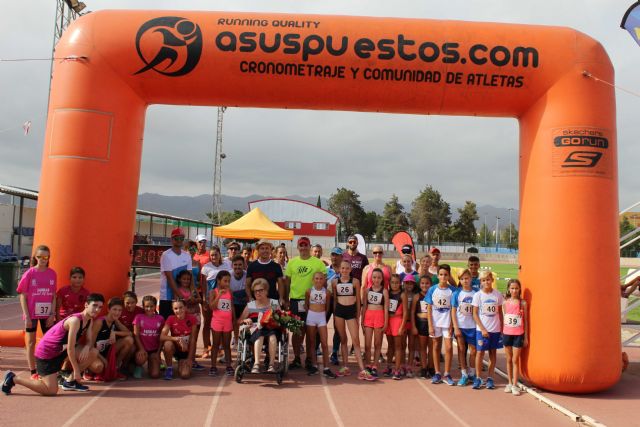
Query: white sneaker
[515, 390]
[508, 388]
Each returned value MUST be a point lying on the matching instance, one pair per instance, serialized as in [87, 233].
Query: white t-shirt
[210, 272]
[463, 302]
[440, 301]
[170, 261]
[488, 306]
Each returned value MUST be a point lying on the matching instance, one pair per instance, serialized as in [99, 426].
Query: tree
[345, 204]
[225, 217]
[393, 219]
[430, 214]
[319, 202]
[625, 228]
[464, 229]
[484, 236]
[369, 225]
[509, 240]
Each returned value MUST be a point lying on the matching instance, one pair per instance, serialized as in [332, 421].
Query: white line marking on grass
[441, 403]
[87, 405]
[332, 405]
[214, 402]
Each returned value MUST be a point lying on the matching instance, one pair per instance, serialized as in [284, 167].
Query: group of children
[421, 317]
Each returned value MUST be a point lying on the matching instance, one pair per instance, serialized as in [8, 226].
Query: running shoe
[98, 378]
[448, 380]
[195, 366]
[515, 390]
[327, 373]
[312, 370]
[168, 373]
[436, 379]
[409, 373]
[137, 372]
[477, 383]
[396, 375]
[88, 376]
[365, 375]
[213, 372]
[255, 369]
[387, 372]
[507, 388]
[73, 386]
[462, 382]
[8, 383]
[295, 364]
[344, 372]
[229, 371]
[271, 369]
[334, 359]
[374, 372]
[490, 384]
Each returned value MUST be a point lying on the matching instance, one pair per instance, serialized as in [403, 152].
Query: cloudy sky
[388, 153]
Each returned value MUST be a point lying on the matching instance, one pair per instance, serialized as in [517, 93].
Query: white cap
[201, 237]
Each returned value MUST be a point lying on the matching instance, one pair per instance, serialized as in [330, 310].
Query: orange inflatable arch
[116, 63]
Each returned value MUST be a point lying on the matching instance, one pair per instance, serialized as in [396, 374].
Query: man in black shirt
[264, 267]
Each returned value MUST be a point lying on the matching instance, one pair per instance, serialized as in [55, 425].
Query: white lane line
[332, 406]
[11, 318]
[87, 405]
[444, 405]
[214, 402]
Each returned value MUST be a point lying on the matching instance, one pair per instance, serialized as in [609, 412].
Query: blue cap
[336, 251]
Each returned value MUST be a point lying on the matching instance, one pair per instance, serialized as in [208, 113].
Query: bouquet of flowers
[276, 318]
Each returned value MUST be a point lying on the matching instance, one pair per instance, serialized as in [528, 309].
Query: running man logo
[303, 270]
[180, 48]
[582, 151]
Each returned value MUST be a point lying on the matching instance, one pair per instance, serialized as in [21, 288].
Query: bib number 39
[513, 320]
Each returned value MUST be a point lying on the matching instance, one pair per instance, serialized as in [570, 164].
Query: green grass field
[510, 271]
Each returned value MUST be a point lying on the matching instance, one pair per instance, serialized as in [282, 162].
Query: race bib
[423, 306]
[301, 307]
[102, 345]
[441, 303]
[345, 289]
[43, 309]
[374, 298]
[224, 305]
[393, 305]
[466, 309]
[317, 297]
[489, 308]
[513, 320]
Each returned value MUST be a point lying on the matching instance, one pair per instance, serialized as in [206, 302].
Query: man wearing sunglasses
[358, 261]
[172, 262]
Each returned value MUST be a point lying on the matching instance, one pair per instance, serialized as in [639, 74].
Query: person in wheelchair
[250, 323]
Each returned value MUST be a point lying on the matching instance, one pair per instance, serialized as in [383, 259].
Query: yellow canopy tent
[253, 225]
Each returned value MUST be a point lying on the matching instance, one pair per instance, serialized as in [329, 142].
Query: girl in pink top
[146, 331]
[514, 332]
[37, 290]
[222, 320]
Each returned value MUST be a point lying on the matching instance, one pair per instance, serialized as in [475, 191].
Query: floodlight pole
[497, 231]
[510, 225]
[485, 229]
[217, 172]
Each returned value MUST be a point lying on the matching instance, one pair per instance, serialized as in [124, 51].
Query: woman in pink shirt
[37, 289]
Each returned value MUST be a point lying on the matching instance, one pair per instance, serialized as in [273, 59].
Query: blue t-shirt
[463, 302]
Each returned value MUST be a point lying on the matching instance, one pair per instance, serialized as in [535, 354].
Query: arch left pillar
[91, 108]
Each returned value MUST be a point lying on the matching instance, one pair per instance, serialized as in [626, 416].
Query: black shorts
[293, 305]
[34, 327]
[238, 309]
[346, 312]
[180, 355]
[513, 340]
[423, 326]
[46, 367]
[165, 309]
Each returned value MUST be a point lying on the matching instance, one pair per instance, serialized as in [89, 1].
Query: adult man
[299, 278]
[202, 255]
[233, 249]
[172, 262]
[264, 267]
[358, 261]
[405, 250]
[59, 345]
[316, 251]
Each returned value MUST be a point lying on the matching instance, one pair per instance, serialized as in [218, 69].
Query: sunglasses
[178, 238]
[377, 252]
[259, 290]
[351, 242]
[44, 257]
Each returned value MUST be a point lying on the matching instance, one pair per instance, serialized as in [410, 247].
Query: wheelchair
[246, 358]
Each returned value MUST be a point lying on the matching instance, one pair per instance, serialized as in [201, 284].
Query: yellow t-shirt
[301, 272]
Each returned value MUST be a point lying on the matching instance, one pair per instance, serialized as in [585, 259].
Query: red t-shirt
[203, 259]
[181, 328]
[71, 302]
[126, 318]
